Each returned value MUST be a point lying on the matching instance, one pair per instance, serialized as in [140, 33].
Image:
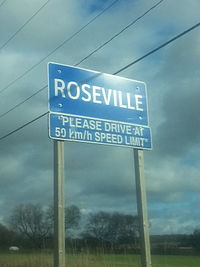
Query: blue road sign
[96, 98]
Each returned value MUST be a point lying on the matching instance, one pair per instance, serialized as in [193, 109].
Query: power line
[59, 46]
[101, 46]
[24, 25]
[22, 102]
[120, 32]
[24, 125]
[120, 70]
[158, 48]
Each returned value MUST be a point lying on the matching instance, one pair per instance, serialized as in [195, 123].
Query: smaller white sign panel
[90, 130]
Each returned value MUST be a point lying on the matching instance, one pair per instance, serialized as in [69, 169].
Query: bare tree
[124, 228]
[98, 225]
[113, 227]
[72, 216]
[31, 221]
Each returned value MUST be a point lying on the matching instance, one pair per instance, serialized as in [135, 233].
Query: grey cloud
[181, 125]
[102, 177]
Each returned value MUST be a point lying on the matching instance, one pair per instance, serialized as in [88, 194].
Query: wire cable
[158, 48]
[22, 102]
[120, 32]
[35, 14]
[59, 46]
[24, 125]
[120, 70]
[101, 46]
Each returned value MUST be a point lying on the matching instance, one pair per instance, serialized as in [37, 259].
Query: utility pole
[59, 209]
[142, 208]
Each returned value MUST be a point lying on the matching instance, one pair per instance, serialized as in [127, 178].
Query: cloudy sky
[101, 177]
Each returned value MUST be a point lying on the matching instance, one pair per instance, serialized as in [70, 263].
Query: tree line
[31, 226]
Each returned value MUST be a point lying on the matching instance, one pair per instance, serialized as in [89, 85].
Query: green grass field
[93, 260]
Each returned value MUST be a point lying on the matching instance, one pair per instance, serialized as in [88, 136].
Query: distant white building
[13, 248]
